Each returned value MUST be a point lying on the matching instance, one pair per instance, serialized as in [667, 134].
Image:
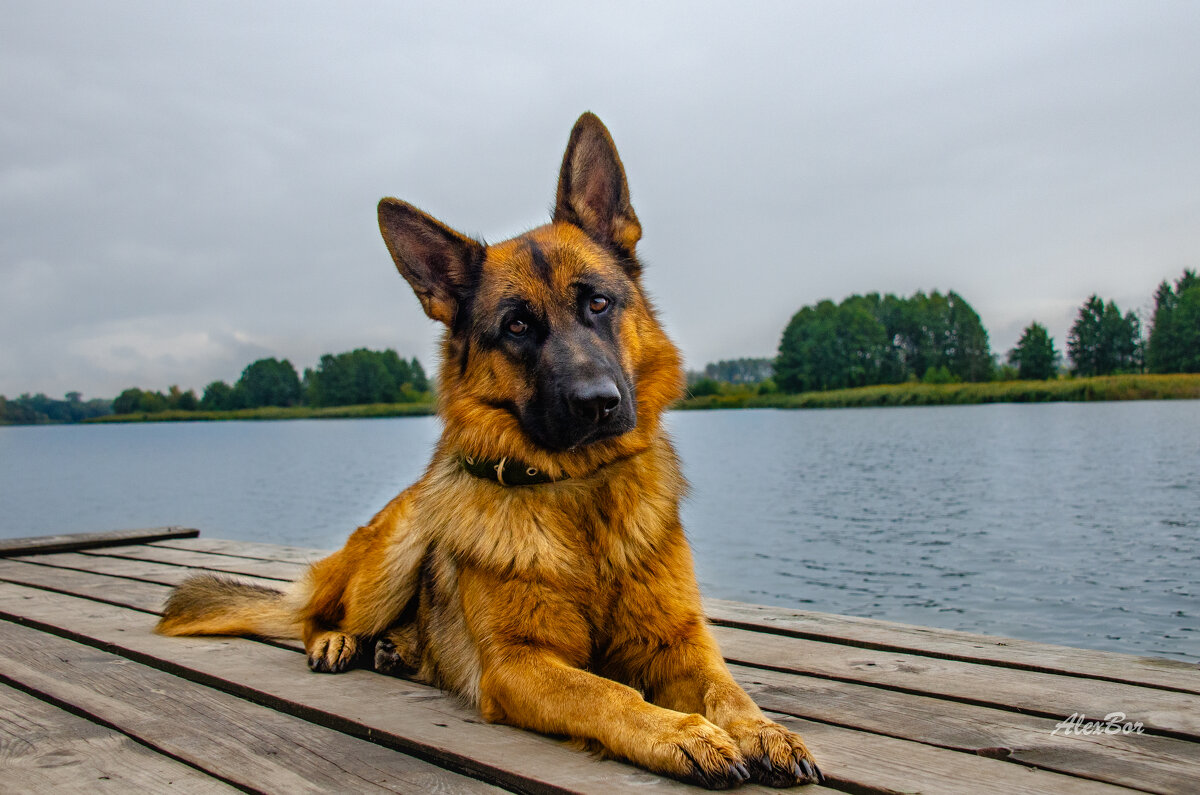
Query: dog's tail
[209, 605]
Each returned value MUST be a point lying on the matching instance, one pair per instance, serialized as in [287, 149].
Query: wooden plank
[46, 749]
[247, 549]
[125, 568]
[1157, 764]
[143, 596]
[237, 741]
[62, 543]
[1143, 761]
[999, 733]
[268, 569]
[406, 714]
[1041, 694]
[1048, 695]
[909, 767]
[954, 645]
[847, 630]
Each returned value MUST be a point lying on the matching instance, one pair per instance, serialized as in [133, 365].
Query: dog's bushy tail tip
[208, 604]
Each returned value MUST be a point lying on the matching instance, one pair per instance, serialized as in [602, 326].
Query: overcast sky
[185, 188]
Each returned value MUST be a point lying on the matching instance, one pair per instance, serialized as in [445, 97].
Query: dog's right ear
[442, 265]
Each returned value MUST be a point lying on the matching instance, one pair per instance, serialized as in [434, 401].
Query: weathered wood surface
[243, 743]
[75, 541]
[46, 749]
[949, 644]
[885, 707]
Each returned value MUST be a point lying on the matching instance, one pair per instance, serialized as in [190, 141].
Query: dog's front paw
[700, 752]
[776, 757]
[332, 652]
[397, 653]
[390, 660]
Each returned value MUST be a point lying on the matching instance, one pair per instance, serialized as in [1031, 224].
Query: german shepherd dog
[538, 569]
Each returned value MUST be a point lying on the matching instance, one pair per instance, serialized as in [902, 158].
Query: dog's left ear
[593, 193]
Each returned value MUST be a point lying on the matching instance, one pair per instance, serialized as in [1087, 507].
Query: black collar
[505, 471]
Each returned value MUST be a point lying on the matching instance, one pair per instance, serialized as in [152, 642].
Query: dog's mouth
[571, 421]
[600, 434]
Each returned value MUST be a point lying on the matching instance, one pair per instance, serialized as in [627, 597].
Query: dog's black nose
[595, 401]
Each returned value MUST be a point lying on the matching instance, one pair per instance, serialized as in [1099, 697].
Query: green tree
[940, 375]
[363, 376]
[1174, 344]
[1102, 341]
[804, 352]
[128, 401]
[152, 402]
[268, 382]
[938, 330]
[869, 339]
[180, 400]
[968, 355]
[218, 396]
[1034, 355]
[740, 371]
[18, 412]
[832, 347]
[420, 382]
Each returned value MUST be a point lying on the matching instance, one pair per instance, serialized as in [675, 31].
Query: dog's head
[552, 353]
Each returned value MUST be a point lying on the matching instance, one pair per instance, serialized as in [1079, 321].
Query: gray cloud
[184, 188]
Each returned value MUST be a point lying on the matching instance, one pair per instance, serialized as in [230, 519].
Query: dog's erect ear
[592, 191]
[441, 265]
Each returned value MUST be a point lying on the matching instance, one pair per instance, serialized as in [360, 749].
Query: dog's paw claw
[332, 653]
[701, 753]
[779, 756]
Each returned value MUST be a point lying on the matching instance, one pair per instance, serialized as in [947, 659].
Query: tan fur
[569, 607]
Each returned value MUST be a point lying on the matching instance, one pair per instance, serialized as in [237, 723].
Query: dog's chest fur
[587, 554]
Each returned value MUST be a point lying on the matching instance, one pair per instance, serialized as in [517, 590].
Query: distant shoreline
[1100, 388]
[1184, 386]
[276, 413]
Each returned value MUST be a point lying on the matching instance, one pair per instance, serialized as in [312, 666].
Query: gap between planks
[872, 634]
[1057, 695]
[1157, 776]
[239, 742]
[863, 761]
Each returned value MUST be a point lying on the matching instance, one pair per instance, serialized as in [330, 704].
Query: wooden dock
[92, 701]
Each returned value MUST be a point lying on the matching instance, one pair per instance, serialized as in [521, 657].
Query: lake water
[1065, 523]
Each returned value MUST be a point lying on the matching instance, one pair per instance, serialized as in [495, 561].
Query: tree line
[871, 339]
[353, 378]
[32, 409]
[863, 341]
[356, 377]
[741, 372]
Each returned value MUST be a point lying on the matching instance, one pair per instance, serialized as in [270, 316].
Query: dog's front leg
[533, 688]
[691, 676]
[533, 641]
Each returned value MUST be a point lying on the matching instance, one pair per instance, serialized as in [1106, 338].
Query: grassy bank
[276, 413]
[1113, 387]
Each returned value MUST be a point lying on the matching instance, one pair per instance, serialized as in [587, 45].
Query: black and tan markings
[550, 303]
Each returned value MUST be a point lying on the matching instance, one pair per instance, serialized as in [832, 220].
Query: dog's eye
[598, 304]
[517, 328]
